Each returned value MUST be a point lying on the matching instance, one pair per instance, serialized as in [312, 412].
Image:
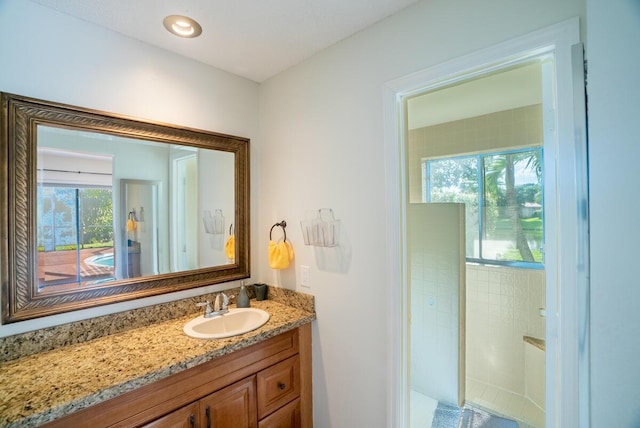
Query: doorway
[478, 144]
[140, 200]
[184, 178]
[562, 251]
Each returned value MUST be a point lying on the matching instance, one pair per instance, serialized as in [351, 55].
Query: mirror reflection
[102, 208]
[112, 208]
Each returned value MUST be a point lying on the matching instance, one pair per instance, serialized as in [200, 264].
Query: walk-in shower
[475, 240]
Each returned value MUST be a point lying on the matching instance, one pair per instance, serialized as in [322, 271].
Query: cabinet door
[231, 407]
[286, 417]
[278, 385]
[185, 417]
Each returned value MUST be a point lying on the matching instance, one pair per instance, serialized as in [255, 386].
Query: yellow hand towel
[280, 254]
[230, 247]
[131, 223]
[290, 248]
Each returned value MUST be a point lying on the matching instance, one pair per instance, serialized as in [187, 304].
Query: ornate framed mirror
[98, 208]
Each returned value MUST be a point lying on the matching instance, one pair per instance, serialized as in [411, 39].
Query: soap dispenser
[243, 298]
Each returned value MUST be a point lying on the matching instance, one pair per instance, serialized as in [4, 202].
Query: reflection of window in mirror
[75, 219]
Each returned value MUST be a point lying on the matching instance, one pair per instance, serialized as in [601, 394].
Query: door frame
[566, 265]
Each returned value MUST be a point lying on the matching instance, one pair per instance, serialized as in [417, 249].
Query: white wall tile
[502, 307]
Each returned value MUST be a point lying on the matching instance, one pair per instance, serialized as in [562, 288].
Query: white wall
[212, 166]
[52, 56]
[322, 134]
[614, 150]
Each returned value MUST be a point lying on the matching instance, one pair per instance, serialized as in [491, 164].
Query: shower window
[504, 204]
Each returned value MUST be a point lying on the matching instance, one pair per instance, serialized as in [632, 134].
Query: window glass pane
[512, 207]
[508, 188]
[56, 218]
[456, 180]
[96, 234]
[75, 235]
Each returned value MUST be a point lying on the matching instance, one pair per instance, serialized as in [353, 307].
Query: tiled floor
[505, 403]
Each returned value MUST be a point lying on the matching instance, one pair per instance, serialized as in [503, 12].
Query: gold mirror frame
[18, 251]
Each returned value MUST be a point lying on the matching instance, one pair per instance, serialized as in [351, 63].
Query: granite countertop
[46, 385]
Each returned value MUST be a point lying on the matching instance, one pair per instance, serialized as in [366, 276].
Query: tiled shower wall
[437, 278]
[503, 305]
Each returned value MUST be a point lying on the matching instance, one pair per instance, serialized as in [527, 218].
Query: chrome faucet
[207, 309]
[220, 306]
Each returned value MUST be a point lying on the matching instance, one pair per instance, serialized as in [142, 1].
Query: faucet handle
[225, 301]
[207, 309]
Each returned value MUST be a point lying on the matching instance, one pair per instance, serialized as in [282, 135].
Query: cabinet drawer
[285, 417]
[278, 385]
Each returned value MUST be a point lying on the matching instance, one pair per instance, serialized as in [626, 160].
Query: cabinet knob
[281, 386]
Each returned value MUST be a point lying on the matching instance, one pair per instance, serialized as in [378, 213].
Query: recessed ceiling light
[182, 26]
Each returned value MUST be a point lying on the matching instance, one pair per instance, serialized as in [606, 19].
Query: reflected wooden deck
[61, 267]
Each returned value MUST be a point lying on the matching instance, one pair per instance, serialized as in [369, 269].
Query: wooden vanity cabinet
[185, 417]
[278, 385]
[267, 385]
[288, 416]
[233, 406]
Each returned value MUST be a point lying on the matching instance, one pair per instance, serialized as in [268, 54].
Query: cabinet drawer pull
[281, 386]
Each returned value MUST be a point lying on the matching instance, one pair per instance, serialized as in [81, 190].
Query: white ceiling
[516, 87]
[255, 39]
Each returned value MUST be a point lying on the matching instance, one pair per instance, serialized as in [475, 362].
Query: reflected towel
[230, 247]
[280, 254]
[131, 223]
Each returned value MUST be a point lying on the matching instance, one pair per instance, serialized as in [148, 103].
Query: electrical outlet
[304, 276]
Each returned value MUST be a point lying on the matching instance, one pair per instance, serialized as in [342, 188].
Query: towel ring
[282, 224]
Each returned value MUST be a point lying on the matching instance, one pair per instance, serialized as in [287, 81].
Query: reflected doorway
[140, 214]
[185, 211]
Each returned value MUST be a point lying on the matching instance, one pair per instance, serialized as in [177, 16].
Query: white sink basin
[236, 321]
